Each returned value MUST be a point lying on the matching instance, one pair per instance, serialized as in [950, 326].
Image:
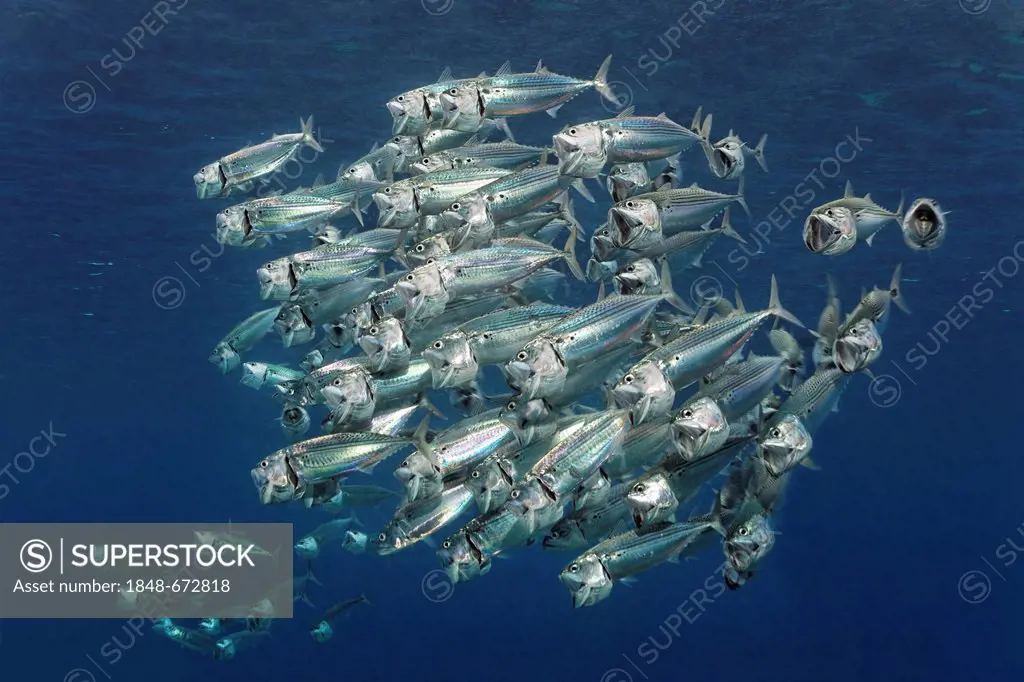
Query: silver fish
[924, 225]
[249, 332]
[494, 154]
[386, 346]
[259, 374]
[831, 232]
[785, 445]
[727, 157]
[875, 305]
[858, 347]
[870, 216]
[402, 203]
[321, 268]
[415, 521]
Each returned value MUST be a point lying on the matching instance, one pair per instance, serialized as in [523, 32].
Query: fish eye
[475, 474]
[409, 277]
[514, 494]
[264, 464]
[382, 537]
[631, 268]
[521, 355]
[628, 378]
[639, 488]
[456, 206]
[630, 204]
[743, 530]
[438, 345]
[775, 433]
[396, 140]
[512, 405]
[574, 568]
[854, 331]
[404, 464]
[453, 91]
[485, 335]
[687, 414]
[374, 331]
[572, 131]
[387, 190]
[400, 98]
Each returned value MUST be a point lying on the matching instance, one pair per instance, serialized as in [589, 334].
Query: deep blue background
[863, 582]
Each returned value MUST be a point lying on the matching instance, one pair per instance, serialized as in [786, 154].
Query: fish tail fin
[311, 577]
[704, 129]
[601, 81]
[759, 153]
[502, 125]
[569, 215]
[308, 137]
[727, 230]
[362, 598]
[356, 520]
[896, 290]
[775, 306]
[741, 199]
[903, 201]
[580, 187]
[695, 123]
[425, 448]
[570, 254]
[669, 293]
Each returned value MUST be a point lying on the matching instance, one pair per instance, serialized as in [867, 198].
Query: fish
[630, 138]
[310, 545]
[828, 326]
[590, 577]
[858, 347]
[228, 647]
[924, 225]
[727, 157]
[700, 428]
[427, 290]
[814, 399]
[355, 395]
[739, 387]
[295, 421]
[456, 357]
[875, 305]
[298, 320]
[287, 474]
[414, 521]
[669, 211]
[541, 368]
[241, 168]
[832, 232]
[403, 202]
[324, 267]
[259, 374]
[408, 149]
[648, 388]
[386, 346]
[745, 547]
[870, 217]
[375, 166]
[432, 247]
[492, 154]
[785, 445]
[321, 631]
[587, 527]
[335, 497]
[507, 94]
[244, 337]
[415, 112]
[627, 179]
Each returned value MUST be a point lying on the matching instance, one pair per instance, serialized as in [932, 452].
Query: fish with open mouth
[324, 267]
[259, 374]
[669, 211]
[869, 216]
[924, 225]
[375, 166]
[831, 232]
[858, 347]
[414, 521]
[417, 111]
[405, 150]
[588, 526]
[297, 321]
[509, 155]
[236, 172]
[745, 547]
[876, 305]
[727, 157]
[355, 395]
[295, 421]
[403, 203]
[244, 337]
[785, 445]
[386, 346]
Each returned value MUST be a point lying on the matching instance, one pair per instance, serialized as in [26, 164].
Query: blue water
[865, 580]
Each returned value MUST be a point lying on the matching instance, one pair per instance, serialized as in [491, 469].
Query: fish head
[785, 445]
[490, 483]
[438, 161]
[295, 421]
[749, 542]
[397, 206]
[587, 581]
[462, 107]
[529, 420]
[275, 479]
[293, 326]
[420, 476]
[350, 397]
[578, 148]
[924, 225]
[404, 151]
[307, 548]
[593, 492]
[225, 357]
[386, 345]
[651, 499]
[451, 360]
[726, 158]
[831, 231]
[532, 506]
[210, 626]
[277, 280]
[355, 541]
[627, 179]
[254, 374]
[461, 559]
[537, 371]
[699, 429]
[409, 113]
[423, 292]
[467, 215]
[565, 535]
[435, 246]
[598, 271]
[602, 247]
[640, 277]
[321, 632]
[858, 347]
[233, 225]
[645, 391]
[210, 181]
[631, 219]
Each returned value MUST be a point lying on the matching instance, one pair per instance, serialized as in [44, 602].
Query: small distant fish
[321, 631]
[924, 225]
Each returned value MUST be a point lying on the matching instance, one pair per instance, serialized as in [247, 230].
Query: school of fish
[619, 410]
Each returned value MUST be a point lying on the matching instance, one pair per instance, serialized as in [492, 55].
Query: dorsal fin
[868, 197]
[540, 67]
[445, 76]
[849, 190]
[319, 182]
[600, 292]
[504, 69]
[695, 125]
[740, 308]
[667, 188]
[375, 147]
[627, 112]
[662, 115]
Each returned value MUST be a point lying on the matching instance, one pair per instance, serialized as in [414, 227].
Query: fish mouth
[597, 270]
[397, 111]
[641, 410]
[847, 355]
[453, 220]
[624, 225]
[638, 518]
[818, 233]
[626, 396]
[925, 220]
[628, 283]
[518, 373]
[725, 162]
[370, 345]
